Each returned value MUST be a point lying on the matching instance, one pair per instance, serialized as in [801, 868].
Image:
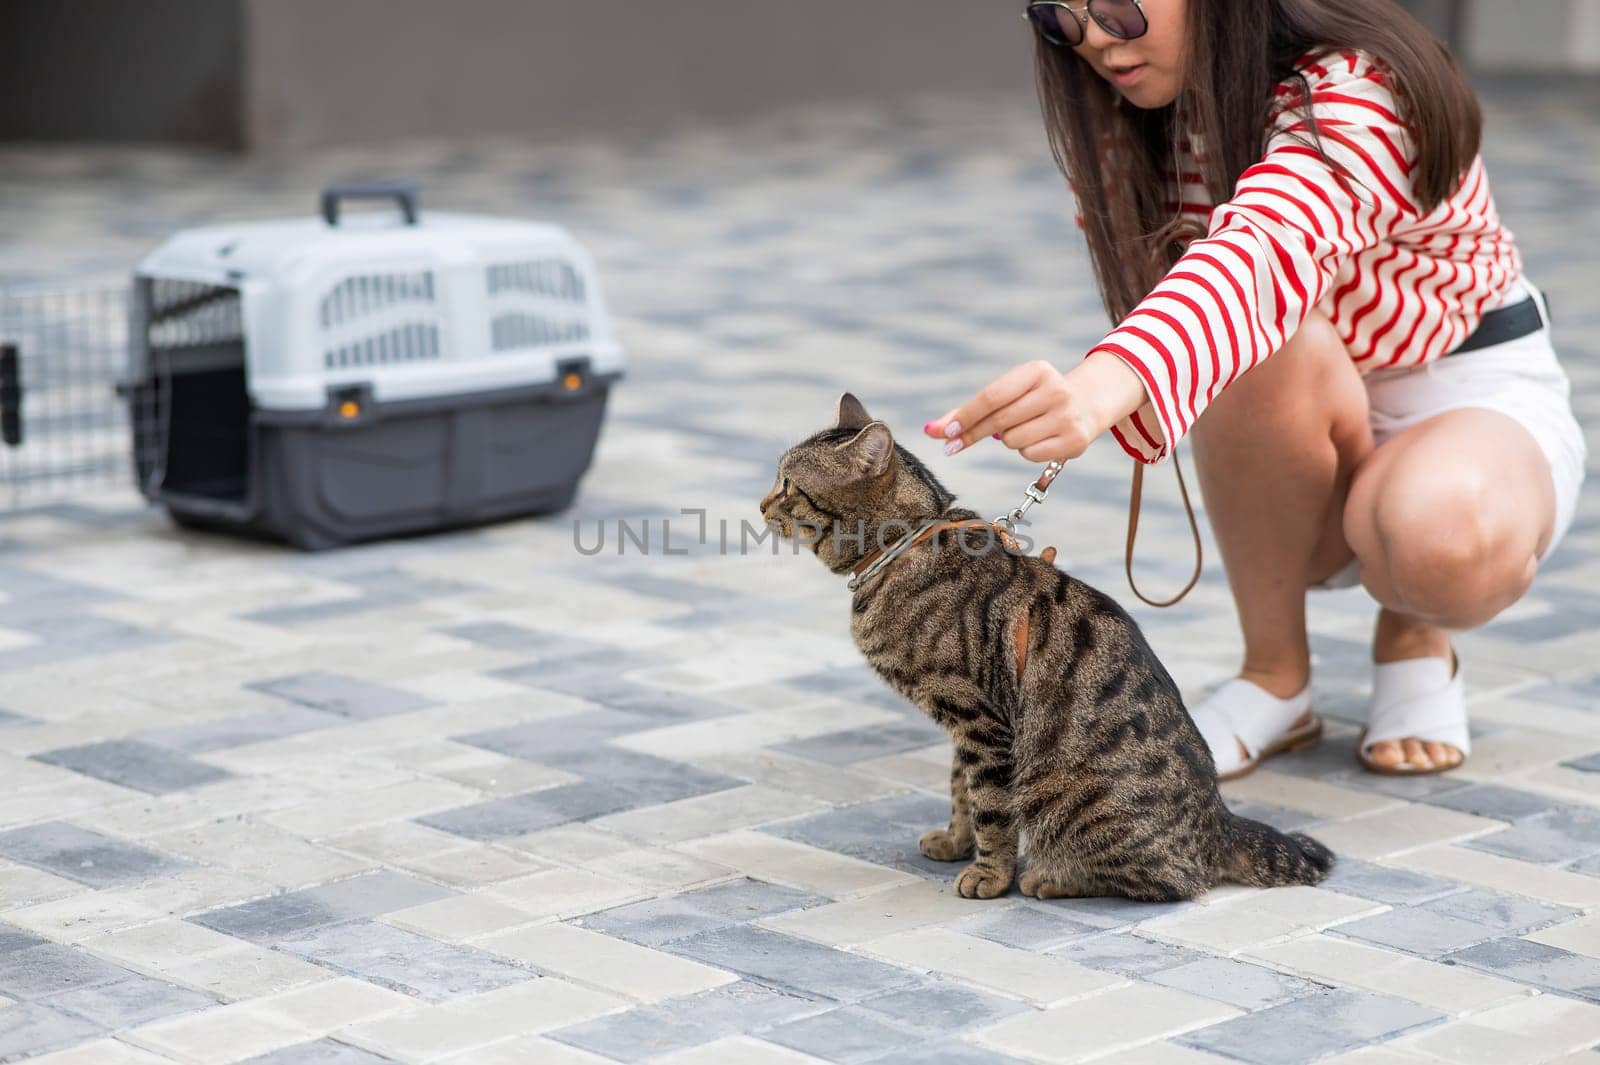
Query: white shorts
[1520, 378]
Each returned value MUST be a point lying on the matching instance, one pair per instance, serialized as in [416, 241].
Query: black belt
[1506, 323]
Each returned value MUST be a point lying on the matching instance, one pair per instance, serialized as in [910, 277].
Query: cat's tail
[1259, 855]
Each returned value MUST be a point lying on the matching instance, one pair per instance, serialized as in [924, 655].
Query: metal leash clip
[1036, 493]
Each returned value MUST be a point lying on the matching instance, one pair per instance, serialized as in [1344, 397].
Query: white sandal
[1420, 699]
[1242, 712]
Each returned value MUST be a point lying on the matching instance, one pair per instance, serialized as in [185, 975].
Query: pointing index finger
[997, 394]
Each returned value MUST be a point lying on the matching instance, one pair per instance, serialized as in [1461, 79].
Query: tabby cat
[1089, 750]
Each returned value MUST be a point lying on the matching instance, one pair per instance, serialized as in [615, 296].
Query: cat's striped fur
[1089, 752]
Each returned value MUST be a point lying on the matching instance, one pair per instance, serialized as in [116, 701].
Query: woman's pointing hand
[1042, 413]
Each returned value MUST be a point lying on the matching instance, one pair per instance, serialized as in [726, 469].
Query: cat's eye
[784, 490]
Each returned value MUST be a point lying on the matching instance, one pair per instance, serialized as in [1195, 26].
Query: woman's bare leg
[1448, 518]
[1276, 454]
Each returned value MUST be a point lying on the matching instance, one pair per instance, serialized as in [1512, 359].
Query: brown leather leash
[1037, 491]
[1135, 493]
[1004, 528]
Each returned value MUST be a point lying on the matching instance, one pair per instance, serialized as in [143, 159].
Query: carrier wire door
[63, 428]
[192, 417]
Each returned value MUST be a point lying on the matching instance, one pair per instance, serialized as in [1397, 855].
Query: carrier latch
[350, 405]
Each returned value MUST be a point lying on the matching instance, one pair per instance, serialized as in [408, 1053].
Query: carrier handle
[10, 396]
[402, 192]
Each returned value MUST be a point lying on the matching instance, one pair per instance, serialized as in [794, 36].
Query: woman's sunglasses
[1061, 25]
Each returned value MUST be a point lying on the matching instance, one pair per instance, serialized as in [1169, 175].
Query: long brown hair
[1120, 158]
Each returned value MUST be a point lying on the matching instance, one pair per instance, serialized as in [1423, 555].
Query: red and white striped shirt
[1400, 286]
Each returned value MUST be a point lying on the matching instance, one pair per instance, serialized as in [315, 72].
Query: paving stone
[942, 1007]
[1542, 1028]
[522, 814]
[1382, 883]
[12, 939]
[591, 958]
[459, 917]
[87, 857]
[237, 731]
[1110, 913]
[1026, 928]
[622, 780]
[135, 764]
[343, 696]
[594, 675]
[504, 636]
[795, 864]
[1448, 988]
[320, 1052]
[1311, 1027]
[1037, 978]
[1455, 921]
[747, 899]
[844, 1035]
[131, 1001]
[792, 964]
[1250, 987]
[553, 740]
[659, 921]
[276, 917]
[884, 832]
[858, 745]
[1122, 1017]
[1535, 963]
[1492, 800]
[1229, 929]
[271, 919]
[53, 968]
[1556, 836]
[655, 922]
[852, 922]
[943, 1052]
[1498, 873]
[689, 1021]
[227, 1032]
[1126, 954]
[404, 961]
[376, 893]
[31, 1028]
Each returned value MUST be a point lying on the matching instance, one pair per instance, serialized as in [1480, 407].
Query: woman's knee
[1436, 542]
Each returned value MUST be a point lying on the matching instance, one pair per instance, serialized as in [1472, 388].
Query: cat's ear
[852, 415]
[869, 451]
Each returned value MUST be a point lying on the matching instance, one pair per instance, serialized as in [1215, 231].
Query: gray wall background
[288, 74]
[121, 70]
[324, 70]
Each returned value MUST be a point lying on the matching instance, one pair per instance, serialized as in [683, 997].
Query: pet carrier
[334, 379]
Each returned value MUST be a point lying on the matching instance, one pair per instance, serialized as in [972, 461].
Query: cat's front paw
[983, 881]
[942, 845]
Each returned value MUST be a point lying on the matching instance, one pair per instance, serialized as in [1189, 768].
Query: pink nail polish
[953, 446]
[927, 427]
[996, 436]
[952, 430]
